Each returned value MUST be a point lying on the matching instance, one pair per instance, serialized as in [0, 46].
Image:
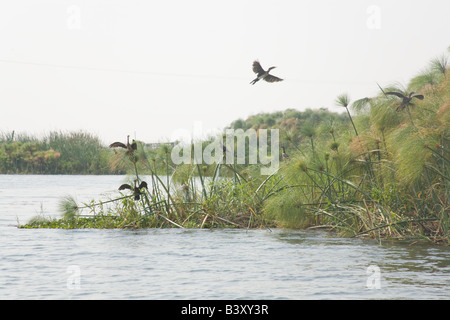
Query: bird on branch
[137, 190]
[406, 100]
[130, 147]
[284, 154]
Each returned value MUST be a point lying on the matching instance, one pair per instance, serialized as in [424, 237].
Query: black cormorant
[284, 154]
[406, 100]
[136, 189]
[130, 147]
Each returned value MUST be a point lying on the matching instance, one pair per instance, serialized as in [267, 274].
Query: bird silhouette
[262, 74]
[224, 149]
[136, 189]
[284, 154]
[406, 100]
[130, 147]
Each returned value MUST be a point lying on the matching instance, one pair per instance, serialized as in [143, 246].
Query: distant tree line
[83, 153]
[56, 153]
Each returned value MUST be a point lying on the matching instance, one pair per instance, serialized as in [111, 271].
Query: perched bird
[136, 189]
[284, 154]
[224, 149]
[130, 147]
[262, 74]
[406, 100]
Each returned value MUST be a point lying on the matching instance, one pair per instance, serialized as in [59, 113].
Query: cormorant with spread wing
[406, 100]
[136, 189]
[130, 147]
[262, 74]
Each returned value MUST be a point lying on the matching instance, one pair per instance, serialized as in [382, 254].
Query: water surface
[196, 264]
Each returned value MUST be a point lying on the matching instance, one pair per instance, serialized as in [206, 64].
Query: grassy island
[379, 171]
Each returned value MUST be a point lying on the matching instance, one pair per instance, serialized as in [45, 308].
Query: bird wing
[418, 96]
[257, 67]
[271, 78]
[125, 186]
[398, 94]
[117, 144]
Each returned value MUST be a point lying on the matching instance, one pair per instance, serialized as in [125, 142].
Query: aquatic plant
[344, 101]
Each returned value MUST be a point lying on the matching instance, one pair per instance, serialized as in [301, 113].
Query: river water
[196, 264]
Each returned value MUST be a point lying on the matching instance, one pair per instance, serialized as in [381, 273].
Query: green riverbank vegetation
[65, 153]
[379, 170]
[55, 153]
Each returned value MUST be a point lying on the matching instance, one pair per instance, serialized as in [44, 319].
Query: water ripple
[198, 264]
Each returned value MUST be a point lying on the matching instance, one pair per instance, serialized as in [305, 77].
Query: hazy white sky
[152, 68]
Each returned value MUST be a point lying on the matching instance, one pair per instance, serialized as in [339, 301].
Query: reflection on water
[196, 264]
